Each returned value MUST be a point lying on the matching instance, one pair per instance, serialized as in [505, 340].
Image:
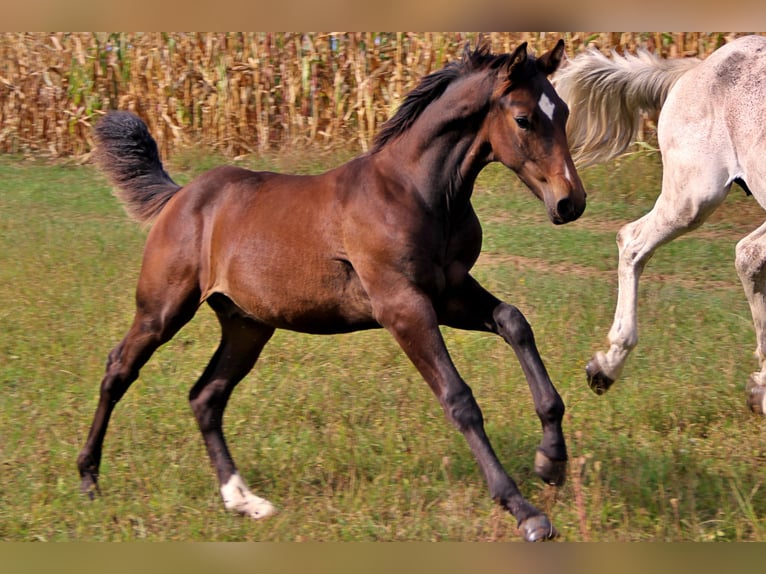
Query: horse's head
[526, 130]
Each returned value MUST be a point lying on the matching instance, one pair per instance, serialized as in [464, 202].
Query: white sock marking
[547, 106]
[238, 498]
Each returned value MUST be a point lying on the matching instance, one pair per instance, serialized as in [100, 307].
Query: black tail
[127, 153]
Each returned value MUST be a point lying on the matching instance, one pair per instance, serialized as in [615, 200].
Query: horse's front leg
[636, 245]
[471, 307]
[750, 262]
[690, 193]
[409, 315]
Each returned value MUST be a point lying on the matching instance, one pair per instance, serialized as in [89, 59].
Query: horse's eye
[523, 122]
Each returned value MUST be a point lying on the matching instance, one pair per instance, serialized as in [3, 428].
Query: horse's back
[740, 82]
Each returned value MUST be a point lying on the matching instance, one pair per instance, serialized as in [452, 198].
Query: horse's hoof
[550, 471]
[597, 380]
[537, 529]
[756, 396]
[89, 486]
[251, 506]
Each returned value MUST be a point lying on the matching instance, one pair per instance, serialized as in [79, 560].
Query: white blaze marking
[567, 175]
[547, 106]
[237, 497]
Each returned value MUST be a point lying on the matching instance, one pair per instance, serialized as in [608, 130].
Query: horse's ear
[550, 61]
[518, 58]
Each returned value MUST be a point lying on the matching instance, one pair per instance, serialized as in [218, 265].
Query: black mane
[431, 87]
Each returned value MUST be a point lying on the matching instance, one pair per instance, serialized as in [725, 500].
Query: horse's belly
[303, 294]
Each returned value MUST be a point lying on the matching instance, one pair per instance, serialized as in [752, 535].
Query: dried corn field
[241, 93]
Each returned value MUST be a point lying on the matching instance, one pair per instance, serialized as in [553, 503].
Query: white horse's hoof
[597, 380]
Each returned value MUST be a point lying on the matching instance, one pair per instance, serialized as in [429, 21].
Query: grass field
[340, 432]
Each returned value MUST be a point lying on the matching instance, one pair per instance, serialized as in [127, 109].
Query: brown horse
[385, 240]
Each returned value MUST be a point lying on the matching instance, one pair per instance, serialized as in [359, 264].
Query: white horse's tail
[607, 95]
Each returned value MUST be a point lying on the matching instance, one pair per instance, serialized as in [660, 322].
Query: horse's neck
[442, 171]
[442, 153]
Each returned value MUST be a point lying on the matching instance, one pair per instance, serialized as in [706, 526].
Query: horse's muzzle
[567, 209]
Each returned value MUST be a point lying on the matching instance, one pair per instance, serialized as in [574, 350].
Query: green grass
[340, 432]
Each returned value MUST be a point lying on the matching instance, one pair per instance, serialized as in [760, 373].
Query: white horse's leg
[687, 199]
[750, 261]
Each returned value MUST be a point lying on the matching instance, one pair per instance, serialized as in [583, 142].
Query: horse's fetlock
[631, 341]
[502, 495]
[86, 464]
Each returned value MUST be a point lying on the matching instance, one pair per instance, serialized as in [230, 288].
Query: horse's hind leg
[688, 197]
[750, 261]
[242, 340]
[157, 319]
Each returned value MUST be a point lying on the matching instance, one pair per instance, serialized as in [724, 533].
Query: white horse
[711, 132]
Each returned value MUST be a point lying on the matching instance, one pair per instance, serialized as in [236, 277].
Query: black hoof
[550, 471]
[597, 380]
[537, 529]
[90, 491]
[89, 486]
[756, 396]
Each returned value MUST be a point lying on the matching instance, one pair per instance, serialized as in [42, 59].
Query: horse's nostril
[569, 210]
[564, 208]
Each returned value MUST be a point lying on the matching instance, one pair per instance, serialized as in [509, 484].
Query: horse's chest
[437, 271]
[445, 263]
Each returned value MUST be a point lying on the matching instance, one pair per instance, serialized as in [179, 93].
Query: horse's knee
[463, 410]
[513, 326]
[623, 235]
[550, 408]
[630, 251]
